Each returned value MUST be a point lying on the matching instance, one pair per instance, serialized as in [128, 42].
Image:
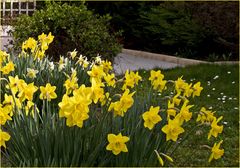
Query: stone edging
[172, 59]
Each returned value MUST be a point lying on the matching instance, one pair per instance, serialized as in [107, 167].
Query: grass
[221, 93]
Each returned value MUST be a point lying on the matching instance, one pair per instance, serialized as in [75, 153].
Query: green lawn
[221, 93]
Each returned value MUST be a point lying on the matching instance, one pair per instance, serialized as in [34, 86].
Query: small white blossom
[229, 72]
[225, 123]
[219, 98]
[229, 98]
[223, 101]
[233, 82]
[210, 108]
[216, 77]
[236, 108]
[221, 93]
[208, 95]
[213, 89]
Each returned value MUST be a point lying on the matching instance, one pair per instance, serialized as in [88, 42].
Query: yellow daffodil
[96, 73]
[180, 85]
[30, 108]
[171, 111]
[176, 100]
[4, 115]
[205, 116]
[197, 89]
[110, 79]
[151, 117]
[107, 66]
[184, 114]
[4, 136]
[173, 129]
[120, 107]
[157, 81]
[215, 129]
[73, 54]
[11, 102]
[117, 143]
[31, 44]
[131, 79]
[217, 153]
[188, 90]
[155, 75]
[15, 84]
[3, 57]
[9, 67]
[48, 92]
[27, 92]
[71, 83]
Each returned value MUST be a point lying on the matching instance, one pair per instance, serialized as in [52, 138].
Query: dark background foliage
[187, 29]
[199, 30]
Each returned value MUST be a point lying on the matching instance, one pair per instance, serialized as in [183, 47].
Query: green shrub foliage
[74, 27]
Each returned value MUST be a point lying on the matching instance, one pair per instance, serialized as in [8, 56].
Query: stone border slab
[172, 59]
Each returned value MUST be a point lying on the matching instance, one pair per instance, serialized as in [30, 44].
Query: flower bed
[76, 112]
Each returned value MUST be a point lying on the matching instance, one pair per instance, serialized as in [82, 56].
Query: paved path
[123, 62]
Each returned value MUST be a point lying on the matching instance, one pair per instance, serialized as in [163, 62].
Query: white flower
[61, 63]
[51, 65]
[221, 93]
[229, 72]
[210, 108]
[229, 98]
[236, 108]
[219, 98]
[225, 123]
[213, 89]
[98, 59]
[208, 95]
[31, 73]
[223, 98]
[223, 101]
[216, 77]
[233, 82]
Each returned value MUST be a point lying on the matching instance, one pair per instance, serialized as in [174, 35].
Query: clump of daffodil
[131, 79]
[217, 153]
[48, 92]
[205, 116]
[120, 107]
[157, 81]
[151, 117]
[37, 47]
[117, 143]
[76, 107]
